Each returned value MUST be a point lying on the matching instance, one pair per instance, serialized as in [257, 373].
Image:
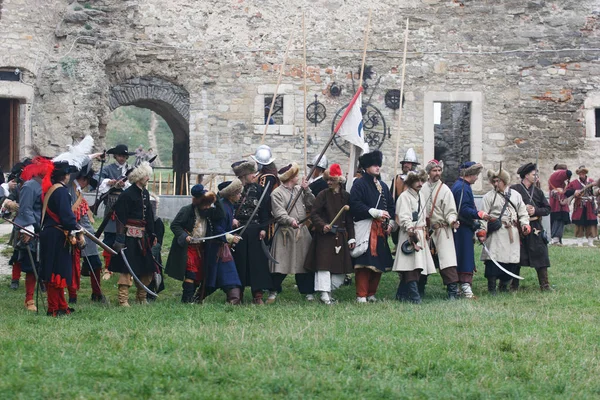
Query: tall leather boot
[492, 286]
[188, 292]
[233, 296]
[421, 285]
[503, 286]
[514, 284]
[123, 295]
[543, 279]
[452, 291]
[413, 292]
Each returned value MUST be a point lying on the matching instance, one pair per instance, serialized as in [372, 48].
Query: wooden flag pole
[400, 111]
[174, 183]
[285, 56]
[352, 161]
[160, 183]
[305, 90]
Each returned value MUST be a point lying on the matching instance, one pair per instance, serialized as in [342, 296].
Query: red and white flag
[350, 126]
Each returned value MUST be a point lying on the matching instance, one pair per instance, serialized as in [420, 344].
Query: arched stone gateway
[170, 101]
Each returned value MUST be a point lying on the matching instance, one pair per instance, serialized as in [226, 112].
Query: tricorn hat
[230, 188]
[501, 174]
[582, 170]
[525, 169]
[369, 159]
[120, 150]
[288, 172]
[414, 176]
[243, 168]
[470, 168]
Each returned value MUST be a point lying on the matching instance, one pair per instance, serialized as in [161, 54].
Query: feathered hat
[288, 172]
[40, 167]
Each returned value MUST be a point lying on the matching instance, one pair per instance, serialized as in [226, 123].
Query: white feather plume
[78, 154]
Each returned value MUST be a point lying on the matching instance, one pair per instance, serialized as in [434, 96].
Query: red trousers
[95, 277]
[76, 277]
[29, 286]
[16, 271]
[193, 269]
[367, 282]
[56, 298]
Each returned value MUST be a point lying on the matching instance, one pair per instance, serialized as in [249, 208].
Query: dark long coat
[182, 227]
[534, 252]
[467, 215]
[56, 260]
[321, 254]
[364, 196]
[134, 204]
[29, 214]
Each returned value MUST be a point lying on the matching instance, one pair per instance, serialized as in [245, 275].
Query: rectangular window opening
[452, 136]
[277, 114]
[597, 116]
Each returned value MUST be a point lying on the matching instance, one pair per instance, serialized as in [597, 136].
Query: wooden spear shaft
[285, 56]
[400, 110]
[305, 90]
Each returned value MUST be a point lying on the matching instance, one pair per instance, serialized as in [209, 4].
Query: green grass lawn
[523, 345]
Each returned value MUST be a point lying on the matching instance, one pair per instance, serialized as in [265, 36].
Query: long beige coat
[407, 203]
[290, 246]
[443, 216]
[499, 243]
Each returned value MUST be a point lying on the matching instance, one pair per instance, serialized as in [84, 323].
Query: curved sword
[498, 264]
[202, 239]
[135, 278]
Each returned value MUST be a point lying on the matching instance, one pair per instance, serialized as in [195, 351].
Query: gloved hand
[481, 235]
[526, 229]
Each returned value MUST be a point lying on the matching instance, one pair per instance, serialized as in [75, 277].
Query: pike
[498, 264]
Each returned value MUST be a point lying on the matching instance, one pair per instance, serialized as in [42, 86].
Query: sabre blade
[498, 264]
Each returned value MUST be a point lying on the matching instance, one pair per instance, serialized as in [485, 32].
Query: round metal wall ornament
[335, 90]
[374, 128]
[316, 112]
[392, 99]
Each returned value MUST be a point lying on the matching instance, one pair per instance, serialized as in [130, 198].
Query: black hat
[89, 175]
[525, 169]
[120, 150]
[62, 168]
[369, 159]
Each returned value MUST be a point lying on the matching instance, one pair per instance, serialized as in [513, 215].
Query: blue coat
[364, 196]
[56, 259]
[29, 214]
[463, 238]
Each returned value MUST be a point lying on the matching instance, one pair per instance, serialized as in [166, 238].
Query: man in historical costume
[112, 183]
[10, 205]
[316, 183]
[57, 239]
[559, 204]
[329, 253]
[187, 257]
[250, 260]
[584, 215]
[534, 247]
[159, 232]
[292, 239]
[35, 176]
[468, 217]
[442, 220]
[373, 211]
[507, 220]
[92, 265]
[220, 270]
[267, 173]
[134, 222]
[414, 258]
[408, 163]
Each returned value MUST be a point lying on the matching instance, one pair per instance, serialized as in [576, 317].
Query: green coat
[182, 224]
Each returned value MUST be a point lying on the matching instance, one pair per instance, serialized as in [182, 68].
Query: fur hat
[525, 169]
[434, 164]
[140, 172]
[414, 176]
[470, 168]
[369, 159]
[560, 166]
[243, 168]
[288, 172]
[500, 174]
[333, 172]
[582, 170]
[201, 196]
[230, 188]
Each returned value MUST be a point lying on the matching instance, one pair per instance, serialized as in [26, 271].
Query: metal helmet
[410, 157]
[323, 163]
[263, 155]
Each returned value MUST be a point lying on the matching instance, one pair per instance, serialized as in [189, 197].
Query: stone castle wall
[222, 56]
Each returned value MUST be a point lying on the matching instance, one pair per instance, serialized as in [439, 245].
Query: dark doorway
[452, 128]
[9, 128]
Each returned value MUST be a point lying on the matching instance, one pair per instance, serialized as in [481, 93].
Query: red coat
[557, 181]
[586, 203]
